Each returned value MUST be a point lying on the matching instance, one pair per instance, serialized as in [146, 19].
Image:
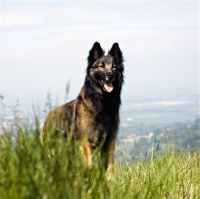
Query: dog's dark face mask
[105, 71]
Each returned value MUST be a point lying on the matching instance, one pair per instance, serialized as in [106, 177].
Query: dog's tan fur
[94, 115]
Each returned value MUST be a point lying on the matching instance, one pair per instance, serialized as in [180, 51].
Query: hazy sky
[44, 44]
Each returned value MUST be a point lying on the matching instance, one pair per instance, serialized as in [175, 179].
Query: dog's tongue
[108, 86]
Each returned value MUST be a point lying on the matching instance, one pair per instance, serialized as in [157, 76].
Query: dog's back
[58, 120]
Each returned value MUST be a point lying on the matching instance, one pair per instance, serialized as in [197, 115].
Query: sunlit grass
[28, 170]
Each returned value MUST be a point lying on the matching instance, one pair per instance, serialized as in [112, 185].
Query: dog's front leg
[108, 155]
[86, 153]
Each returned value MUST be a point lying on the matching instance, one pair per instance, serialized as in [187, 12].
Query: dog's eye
[114, 66]
[101, 65]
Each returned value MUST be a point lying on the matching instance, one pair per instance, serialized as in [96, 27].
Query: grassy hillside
[27, 170]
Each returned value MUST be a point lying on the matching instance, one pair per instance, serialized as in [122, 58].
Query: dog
[93, 117]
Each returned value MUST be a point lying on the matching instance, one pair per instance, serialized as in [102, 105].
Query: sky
[44, 46]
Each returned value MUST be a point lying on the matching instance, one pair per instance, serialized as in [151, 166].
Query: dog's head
[105, 71]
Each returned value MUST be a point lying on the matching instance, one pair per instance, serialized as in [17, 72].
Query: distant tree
[195, 127]
[191, 141]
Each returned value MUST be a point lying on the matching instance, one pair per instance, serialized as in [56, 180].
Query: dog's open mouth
[107, 85]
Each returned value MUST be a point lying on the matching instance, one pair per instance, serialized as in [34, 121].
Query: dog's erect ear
[116, 52]
[95, 53]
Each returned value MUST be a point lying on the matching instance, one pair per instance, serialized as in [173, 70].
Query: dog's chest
[98, 130]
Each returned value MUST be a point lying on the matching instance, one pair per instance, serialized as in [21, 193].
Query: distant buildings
[10, 123]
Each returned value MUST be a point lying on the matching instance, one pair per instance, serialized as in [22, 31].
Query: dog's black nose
[110, 75]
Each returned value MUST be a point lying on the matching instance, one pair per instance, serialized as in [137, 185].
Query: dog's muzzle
[108, 82]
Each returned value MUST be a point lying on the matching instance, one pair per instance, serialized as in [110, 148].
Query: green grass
[27, 170]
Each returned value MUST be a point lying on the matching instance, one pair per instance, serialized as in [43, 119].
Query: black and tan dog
[94, 114]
